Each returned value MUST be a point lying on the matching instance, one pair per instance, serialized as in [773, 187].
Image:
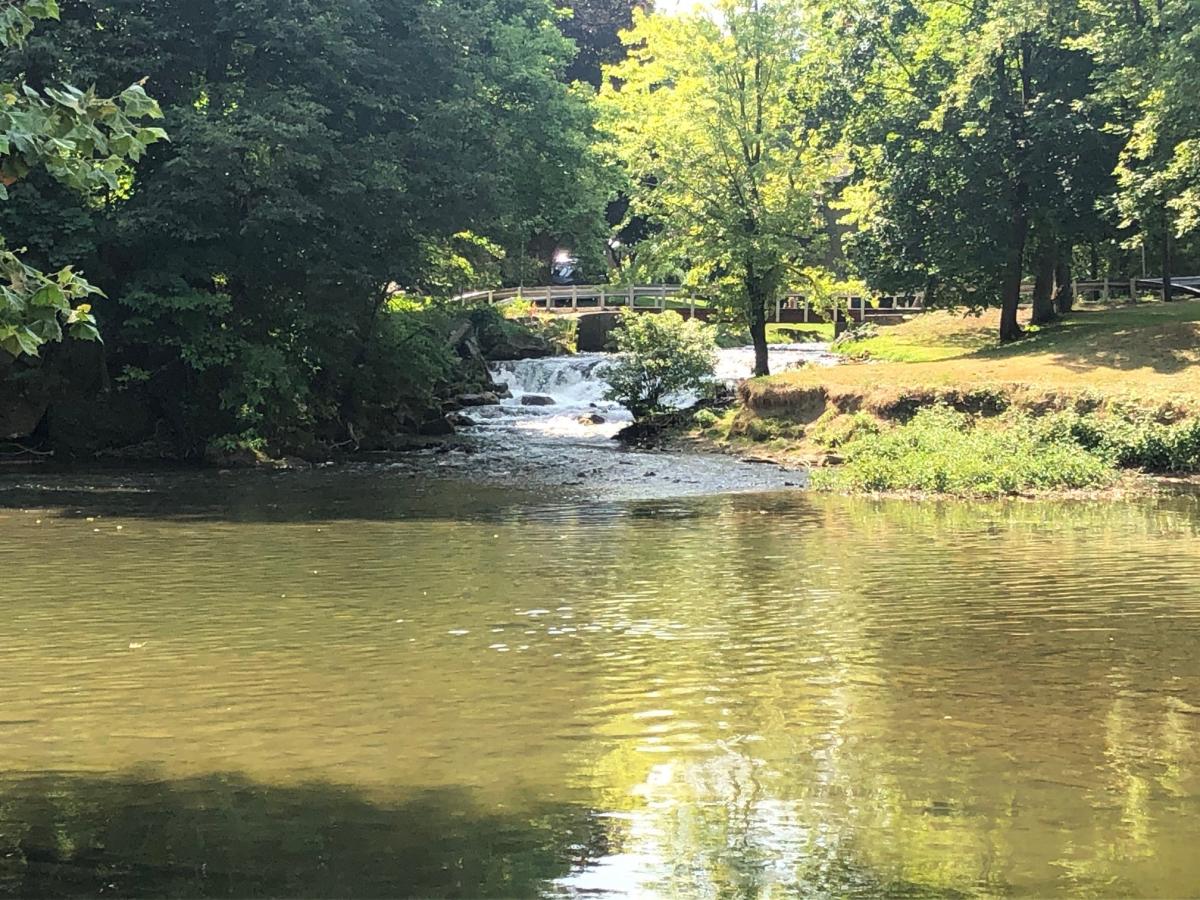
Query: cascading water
[556, 430]
[577, 386]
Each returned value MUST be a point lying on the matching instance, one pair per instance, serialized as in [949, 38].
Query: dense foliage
[664, 358]
[720, 153]
[973, 147]
[1000, 141]
[942, 450]
[322, 154]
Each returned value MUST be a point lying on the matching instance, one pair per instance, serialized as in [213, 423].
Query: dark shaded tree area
[595, 26]
[320, 152]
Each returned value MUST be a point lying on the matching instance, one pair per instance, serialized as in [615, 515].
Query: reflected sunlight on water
[342, 684]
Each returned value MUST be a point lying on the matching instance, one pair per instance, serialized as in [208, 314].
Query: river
[444, 680]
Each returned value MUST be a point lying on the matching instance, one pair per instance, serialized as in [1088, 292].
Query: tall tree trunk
[1014, 269]
[1018, 189]
[1167, 258]
[758, 336]
[1043, 285]
[758, 295]
[1064, 291]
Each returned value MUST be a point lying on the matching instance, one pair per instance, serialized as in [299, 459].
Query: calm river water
[361, 682]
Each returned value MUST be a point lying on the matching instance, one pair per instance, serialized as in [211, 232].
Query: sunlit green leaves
[707, 119]
[83, 140]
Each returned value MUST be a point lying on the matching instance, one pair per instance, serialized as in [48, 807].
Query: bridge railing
[793, 308]
[658, 297]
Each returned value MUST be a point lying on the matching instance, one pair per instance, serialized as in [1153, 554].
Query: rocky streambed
[549, 424]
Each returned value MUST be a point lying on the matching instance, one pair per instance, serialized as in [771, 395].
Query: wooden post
[662, 296]
[806, 307]
[630, 303]
[1104, 295]
[778, 308]
[692, 306]
[491, 294]
[574, 296]
[1132, 288]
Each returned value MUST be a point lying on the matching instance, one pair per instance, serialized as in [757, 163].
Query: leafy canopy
[324, 153]
[706, 119]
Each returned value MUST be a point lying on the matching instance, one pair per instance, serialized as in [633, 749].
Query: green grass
[1149, 350]
[944, 451]
[925, 338]
[941, 451]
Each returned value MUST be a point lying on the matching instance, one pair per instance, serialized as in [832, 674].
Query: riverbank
[936, 406]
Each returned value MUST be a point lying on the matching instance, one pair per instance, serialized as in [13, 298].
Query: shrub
[944, 451]
[1132, 441]
[662, 357]
[833, 430]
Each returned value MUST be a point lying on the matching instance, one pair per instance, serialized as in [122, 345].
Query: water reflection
[480, 693]
[222, 835]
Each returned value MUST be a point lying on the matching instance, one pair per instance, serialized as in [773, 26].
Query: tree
[595, 26]
[1150, 62]
[704, 116]
[663, 356]
[968, 152]
[85, 141]
[323, 152]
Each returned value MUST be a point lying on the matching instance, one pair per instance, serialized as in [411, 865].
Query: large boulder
[484, 398]
[593, 331]
[537, 400]
[513, 341]
[438, 426]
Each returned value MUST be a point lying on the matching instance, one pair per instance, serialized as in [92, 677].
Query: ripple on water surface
[355, 682]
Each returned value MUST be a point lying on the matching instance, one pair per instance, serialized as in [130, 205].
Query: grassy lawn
[936, 405]
[1147, 349]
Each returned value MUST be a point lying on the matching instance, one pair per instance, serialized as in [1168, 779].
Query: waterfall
[576, 386]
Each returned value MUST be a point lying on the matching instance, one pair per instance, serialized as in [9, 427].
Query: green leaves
[664, 357]
[17, 19]
[34, 306]
[706, 119]
[321, 151]
[84, 141]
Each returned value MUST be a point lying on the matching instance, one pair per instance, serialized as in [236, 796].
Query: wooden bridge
[792, 308]
[579, 298]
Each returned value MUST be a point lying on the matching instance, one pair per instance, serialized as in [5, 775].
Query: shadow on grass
[1160, 337]
[224, 836]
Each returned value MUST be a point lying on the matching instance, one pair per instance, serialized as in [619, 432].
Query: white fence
[651, 297]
